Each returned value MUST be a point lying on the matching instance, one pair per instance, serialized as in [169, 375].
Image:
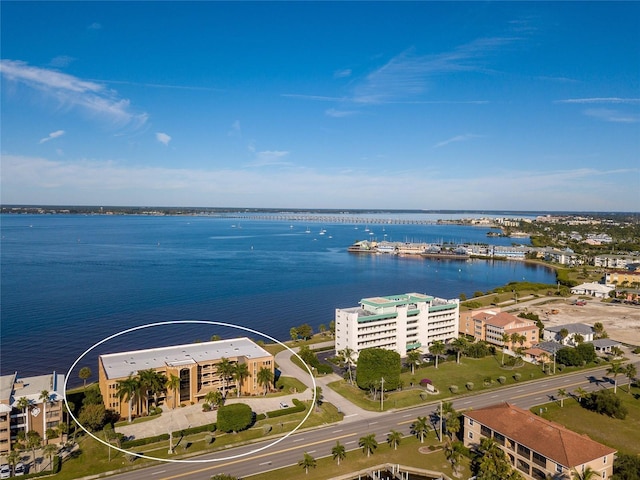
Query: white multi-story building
[398, 322]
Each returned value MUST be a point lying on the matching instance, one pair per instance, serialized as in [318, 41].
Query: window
[470, 434]
[558, 468]
[471, 422]
[604, 460]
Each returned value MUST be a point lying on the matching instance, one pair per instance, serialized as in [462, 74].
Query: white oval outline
[173, 322]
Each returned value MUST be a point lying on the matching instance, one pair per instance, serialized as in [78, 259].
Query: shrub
[266, 429]
[235, 417]
[502, 379]
[425, 381]
[298, 406]
[206, 407]
[517, 377]
[487, 381]
[453, 388]
[469, 385]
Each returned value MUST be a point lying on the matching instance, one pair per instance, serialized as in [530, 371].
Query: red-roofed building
[535, 446]
[491, 326]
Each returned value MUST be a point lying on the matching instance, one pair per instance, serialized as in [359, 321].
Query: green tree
[580, 393]
[49, 451]
[13, 457]
[92, 416]
[494, 464]
[587, 474]
[24, 404]
[615, 369]
[234, 418]
[626, 467]
[598, 329]
[173, 384]
[305, 331]
[374, 364]
[293, 333]
[420, 428]
[307, 462]
[393, 439]
[630, 371]
[224, 368]
[240, 373]
[505, 340]
[413, 359]
[562, 393]
[346, 358]
[127, 390]
[214, 397]
[458, 346]
[339, 452]
[368, 443]
[318, 401]
[454, 452]
[564, 333]
[84, 374]
[265, 378]
[33, 442]
[436, 349]
[45, 396]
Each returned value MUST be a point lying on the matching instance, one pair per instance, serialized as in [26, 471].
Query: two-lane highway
[318, 442]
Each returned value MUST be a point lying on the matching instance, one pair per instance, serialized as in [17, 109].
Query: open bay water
[68, 281]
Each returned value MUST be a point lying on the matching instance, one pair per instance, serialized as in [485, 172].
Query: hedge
[298, 406]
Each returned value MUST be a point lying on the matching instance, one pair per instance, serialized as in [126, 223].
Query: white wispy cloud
[163, 138]
[61, 61]
[458, 138]
[95, 26]
[31, 180]
[235, 130]
[611, 115]
[631, 101]
[342, 73]
[269, 158]
[70, 91]
[52, 135]
[332, 112]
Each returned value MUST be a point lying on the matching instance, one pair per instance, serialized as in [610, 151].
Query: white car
[284, 405]
[5, 471]
[20, 469]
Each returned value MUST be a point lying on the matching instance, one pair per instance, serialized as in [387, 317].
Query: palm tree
[84, 374]
[214, 397]
[581, 393]
[13, 457]
[587, 474]
[339, 452]
[240, 373]
[413, 358]
[158, 386]
[128, 389]
[23, 404]
[564, 333]
[368, 443]
[598, 328]
[148, 383]
[173, 383]
[34, 441]
[436, 349]
[393, 439]
[44, 396]
[265, 378]
[453, 451]
[420, 428]
[459, 345]
[505, 340]
[225, 370]
[346, 356]
[561, 394]
[50, 450]
[615, 369]
[630, 371]
[544, 358]
[307, 462]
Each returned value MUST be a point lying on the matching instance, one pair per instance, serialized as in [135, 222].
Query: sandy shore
[622, 322]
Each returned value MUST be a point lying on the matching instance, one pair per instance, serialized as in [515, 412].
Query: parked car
[284, 405]
[5, 471]
[20, 469]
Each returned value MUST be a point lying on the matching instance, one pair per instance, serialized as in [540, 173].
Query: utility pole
[440, 437]
[381, 393]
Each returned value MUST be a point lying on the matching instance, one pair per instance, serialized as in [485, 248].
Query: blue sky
[399, 105]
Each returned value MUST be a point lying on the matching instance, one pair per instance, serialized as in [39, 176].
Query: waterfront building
[195, 364]
[622, 278]
[536, 447]
[398, 322]
[40, 411]
[591, 289]
[491, 326]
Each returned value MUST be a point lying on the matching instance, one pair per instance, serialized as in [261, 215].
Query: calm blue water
[69, 281]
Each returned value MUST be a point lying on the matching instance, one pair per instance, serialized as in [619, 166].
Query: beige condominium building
[491, 326]
[397, 322]
[30, 404]
[536, 447]
[194, 364]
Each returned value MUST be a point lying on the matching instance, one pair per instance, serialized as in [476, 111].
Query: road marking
[495, 396]
[265, 463]
[350, 415]
[217, 466]
[336, 431]
[372, 423]
[311, 451]
[407, 415]
[547, 390]
[298, 439]
[352, 441]
[158, 473]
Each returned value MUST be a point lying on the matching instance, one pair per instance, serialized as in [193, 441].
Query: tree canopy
[234, 417]
[374, 364]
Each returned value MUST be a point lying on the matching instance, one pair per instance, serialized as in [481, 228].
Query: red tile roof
[550, 439]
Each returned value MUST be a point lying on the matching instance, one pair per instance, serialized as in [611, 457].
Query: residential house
[597, 290]
[491, 326]
[554, 333]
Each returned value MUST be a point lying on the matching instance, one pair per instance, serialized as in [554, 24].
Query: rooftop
[395, 300]
[119, 365]
[552, 440]
[12, 387]
[572, 328]
[502, 319]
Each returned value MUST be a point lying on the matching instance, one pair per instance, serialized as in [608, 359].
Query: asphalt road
[259, 457]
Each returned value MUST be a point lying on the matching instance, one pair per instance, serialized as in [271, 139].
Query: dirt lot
[622, 322]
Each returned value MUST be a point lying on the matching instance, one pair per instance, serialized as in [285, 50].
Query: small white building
[597, 290]
[398, 322]
[553, 334]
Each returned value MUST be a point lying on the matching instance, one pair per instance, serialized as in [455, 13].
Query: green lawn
[623, 435]
[475, 370]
